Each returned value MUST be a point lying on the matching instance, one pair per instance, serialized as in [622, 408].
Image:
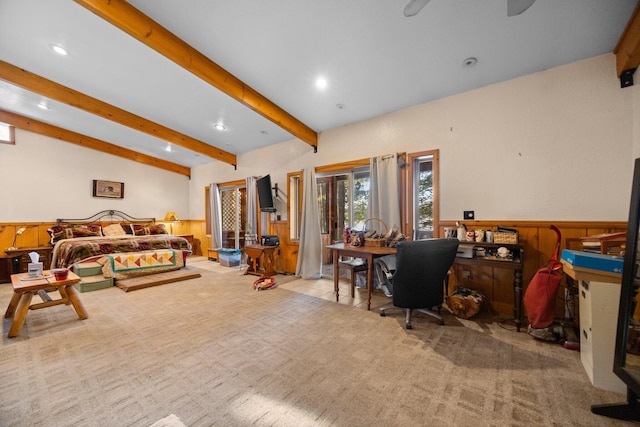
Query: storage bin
[93, 283]
[84, 269]
[229, 257]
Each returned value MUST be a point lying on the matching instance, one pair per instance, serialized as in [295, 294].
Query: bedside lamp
[171, 217]
[19, 231]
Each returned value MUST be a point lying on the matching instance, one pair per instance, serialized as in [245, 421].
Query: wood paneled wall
[36, 233]
[539, 244]
[538, 239]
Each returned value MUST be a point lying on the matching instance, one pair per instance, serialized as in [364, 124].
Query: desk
[599, 293]
[260, 260]
[516, 264]
[367, 253]
[24, 290]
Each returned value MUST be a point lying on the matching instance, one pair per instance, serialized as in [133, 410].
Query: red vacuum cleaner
[540, 299]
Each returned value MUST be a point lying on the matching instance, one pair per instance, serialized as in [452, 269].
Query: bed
[111, 232]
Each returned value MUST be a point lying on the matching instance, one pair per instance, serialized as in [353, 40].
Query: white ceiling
[374, 59]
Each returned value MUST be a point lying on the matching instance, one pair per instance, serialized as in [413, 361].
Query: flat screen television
[626, 360]
[265, 195]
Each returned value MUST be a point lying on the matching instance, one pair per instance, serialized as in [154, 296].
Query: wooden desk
[260, 260]
[516, 264]
[368, 253]
[24, 290]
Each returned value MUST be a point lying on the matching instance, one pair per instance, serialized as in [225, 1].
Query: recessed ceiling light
[469, 62]
[220, 126]
[264, 132]
[43, 105]
[168, 148]
[321, 83]
[341, 106]
[59, 49]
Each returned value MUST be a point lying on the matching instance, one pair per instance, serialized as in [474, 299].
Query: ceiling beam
[53, 90]
[138, 25]
[55, 132]
[627, 50]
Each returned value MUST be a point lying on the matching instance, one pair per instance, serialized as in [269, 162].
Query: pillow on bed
[148, 229]
[59, 232]
[114, 230]
[157, 229]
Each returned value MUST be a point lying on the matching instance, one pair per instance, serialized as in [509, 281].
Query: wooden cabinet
[479, 267]
[19, 258]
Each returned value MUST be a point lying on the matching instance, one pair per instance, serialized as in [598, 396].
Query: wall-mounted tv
[265, 195]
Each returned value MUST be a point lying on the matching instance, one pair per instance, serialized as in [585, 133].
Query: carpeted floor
[212, 351]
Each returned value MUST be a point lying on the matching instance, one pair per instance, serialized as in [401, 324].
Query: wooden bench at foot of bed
[137, 270]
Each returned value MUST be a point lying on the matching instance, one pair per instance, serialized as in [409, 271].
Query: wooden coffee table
[24, 290]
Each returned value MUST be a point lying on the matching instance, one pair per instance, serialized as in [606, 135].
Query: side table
[260, 260]
[24, 288]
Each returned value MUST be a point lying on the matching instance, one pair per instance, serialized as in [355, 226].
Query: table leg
[75, 301]
[336, 274]
[12, 305]
[21, 314]
[369, 280]
[517, 294]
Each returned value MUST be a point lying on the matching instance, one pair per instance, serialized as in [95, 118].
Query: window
[423, 185]
[294, 208]
[7, 134]
[342, 200]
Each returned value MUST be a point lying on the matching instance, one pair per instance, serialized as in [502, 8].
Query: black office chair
[418, 282]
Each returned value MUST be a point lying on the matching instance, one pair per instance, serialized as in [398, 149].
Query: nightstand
[19, 258]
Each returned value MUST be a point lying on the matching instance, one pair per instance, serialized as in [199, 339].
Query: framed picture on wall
[110, 189]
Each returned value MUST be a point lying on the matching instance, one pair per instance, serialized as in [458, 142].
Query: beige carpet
[212, 351]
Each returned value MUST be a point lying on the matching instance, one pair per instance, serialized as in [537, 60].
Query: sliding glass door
[234, 216]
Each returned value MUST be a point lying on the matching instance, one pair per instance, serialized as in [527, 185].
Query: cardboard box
[593, 261]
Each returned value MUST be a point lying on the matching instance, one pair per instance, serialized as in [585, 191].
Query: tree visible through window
[425, 195]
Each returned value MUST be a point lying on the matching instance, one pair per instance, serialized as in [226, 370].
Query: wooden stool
[355, 266]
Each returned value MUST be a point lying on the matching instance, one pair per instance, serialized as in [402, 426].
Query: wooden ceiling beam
[627, 50]
[138, 25]
[58, 92]
[51, 131]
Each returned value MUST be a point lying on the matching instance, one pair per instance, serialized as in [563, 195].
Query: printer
[269, 240]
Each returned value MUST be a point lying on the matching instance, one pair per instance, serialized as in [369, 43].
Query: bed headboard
[106, 216]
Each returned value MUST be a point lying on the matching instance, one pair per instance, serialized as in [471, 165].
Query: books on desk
[592, 261]
[605, 243]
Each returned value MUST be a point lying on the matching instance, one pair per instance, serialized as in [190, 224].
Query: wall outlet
[466, 274]
[469, 215]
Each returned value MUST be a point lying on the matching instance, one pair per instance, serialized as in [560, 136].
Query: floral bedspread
[66, 252]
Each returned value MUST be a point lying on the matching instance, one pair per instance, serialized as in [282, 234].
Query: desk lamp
[171, 217]
[19, 231]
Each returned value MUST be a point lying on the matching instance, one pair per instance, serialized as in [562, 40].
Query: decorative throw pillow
[114, 230]
[140, 229]
[59, 232]
[88, 230]
[157, 229]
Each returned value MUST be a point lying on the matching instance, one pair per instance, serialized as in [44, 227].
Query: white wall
[555, 145]
[44, 179]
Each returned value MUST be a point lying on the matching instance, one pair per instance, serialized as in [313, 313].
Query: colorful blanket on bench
[132, 264]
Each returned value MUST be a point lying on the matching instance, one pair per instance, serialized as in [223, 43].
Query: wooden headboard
[106, 216]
